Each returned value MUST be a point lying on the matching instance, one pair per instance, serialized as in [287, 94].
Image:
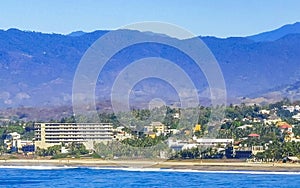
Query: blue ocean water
[109, 177]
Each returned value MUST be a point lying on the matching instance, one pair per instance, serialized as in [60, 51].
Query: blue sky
[202, 17]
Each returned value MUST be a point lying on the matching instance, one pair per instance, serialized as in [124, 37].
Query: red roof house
[253, 135]
[286, 127]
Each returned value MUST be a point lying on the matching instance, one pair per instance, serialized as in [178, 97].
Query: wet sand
[184, 165]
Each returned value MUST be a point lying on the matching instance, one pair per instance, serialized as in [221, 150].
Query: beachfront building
[213, 142]
[13, 143]
[50, 134]
[241, 152]
[177, 145]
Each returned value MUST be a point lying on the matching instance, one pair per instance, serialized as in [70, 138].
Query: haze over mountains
[37, 69]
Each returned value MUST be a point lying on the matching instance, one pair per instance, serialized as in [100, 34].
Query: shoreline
[159, 164]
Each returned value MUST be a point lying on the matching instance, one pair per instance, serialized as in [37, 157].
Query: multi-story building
[14, 143]
[50, 134]
[157, 127]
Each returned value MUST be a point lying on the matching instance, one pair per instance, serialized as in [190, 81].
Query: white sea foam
[195, 171]
[136, 169]
[38, 167]
[127, 169]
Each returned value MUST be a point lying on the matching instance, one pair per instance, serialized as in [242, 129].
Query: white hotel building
[50, 134]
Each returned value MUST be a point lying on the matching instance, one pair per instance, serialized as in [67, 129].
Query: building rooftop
[253, 135]
[285, 126]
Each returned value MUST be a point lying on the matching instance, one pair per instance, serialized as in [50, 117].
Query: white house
[296, 117]
[213, 141]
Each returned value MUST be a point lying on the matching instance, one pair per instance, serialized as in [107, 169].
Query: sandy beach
[190, 165]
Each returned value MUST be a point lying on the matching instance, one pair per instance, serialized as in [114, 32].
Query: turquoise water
[110, 177]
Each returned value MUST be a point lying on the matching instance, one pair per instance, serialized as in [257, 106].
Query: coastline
[197, 165]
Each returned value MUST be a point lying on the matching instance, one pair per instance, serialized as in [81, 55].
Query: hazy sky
[202, 17]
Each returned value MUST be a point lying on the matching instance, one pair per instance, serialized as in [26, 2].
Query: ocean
[60, 177]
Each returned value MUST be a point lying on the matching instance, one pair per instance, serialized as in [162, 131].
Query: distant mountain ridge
[76, 33]
[277, 33]
[37, 69]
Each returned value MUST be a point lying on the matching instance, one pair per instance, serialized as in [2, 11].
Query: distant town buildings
[245, 126]
[296, 117]
[272, 119]
[176, 116]
[242, 134]
[291, 108]
[264, 111]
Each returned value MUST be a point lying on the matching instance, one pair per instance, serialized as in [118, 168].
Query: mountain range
[37, 69]
[276, 34]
